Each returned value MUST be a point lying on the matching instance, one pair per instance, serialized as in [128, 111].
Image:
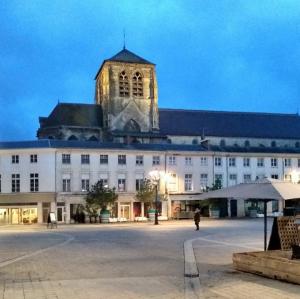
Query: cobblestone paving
[130, 261]
[217, 277]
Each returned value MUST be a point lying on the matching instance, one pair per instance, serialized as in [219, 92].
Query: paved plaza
[136, 260]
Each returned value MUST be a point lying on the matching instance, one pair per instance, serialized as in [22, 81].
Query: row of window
[260, 162]
[218, 161]
[121, 183]
[247, 143]
[15, 182]
[15, 159]
[85, 159]
[172, 184]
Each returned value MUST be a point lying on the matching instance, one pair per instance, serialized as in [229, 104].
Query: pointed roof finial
[124, 39]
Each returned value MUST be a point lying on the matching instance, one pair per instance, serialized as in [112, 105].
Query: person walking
[49, 221]
[197, 218]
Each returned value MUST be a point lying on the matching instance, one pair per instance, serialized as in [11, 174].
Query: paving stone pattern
[131, 261]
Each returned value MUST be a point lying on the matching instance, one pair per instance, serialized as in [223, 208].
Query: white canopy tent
[264, 189]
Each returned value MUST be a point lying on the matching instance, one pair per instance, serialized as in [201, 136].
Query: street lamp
[155, 177]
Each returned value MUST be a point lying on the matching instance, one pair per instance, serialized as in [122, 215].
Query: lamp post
[155, 176]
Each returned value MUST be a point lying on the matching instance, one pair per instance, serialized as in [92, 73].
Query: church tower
[126, 90]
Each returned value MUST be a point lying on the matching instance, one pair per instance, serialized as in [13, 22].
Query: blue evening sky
[216, 55]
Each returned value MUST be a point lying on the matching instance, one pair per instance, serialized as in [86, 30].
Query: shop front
[19, 215]
[25, 208]
[184, 205]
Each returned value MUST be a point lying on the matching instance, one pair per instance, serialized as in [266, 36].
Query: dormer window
[137, 85]
[247, 143]
[123, 85]
[222, 143]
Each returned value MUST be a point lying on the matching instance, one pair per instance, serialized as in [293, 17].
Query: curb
[192, 287]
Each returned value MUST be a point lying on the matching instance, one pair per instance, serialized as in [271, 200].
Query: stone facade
[127, 112]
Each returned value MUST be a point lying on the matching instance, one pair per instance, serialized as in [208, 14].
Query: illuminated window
[203, 180]
[188, 184]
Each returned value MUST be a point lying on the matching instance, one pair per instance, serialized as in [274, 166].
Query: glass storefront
[4, 219]
[18, 215]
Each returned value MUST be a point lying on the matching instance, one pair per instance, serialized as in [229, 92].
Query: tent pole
[265, 225]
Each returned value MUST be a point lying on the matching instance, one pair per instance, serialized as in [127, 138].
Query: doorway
[15, 215]
[125, 211]
[233, 208]
[4, 216]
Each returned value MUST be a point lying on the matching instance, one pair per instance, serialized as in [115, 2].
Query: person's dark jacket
[197, 217]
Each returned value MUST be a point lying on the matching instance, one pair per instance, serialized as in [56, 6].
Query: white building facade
[42, 176]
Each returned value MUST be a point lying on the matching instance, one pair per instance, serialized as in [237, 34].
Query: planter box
[105, 217]
[276, 264]
[253, 213]
[151, 214]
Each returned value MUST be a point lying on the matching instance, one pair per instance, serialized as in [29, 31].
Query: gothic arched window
[132, 126]
[123, 85]
[137, 85]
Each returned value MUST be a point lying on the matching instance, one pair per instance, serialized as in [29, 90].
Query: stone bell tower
[126, 89]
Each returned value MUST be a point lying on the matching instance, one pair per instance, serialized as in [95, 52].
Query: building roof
[229, 124]
[68, 114]
[127, 57]
[50, 143]
[74, 144]
[189, 122]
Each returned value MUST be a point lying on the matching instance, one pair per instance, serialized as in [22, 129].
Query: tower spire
[124, 39]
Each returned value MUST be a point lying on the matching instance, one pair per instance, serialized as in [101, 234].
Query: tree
[216, 185]
[146, 193]
[99, 197]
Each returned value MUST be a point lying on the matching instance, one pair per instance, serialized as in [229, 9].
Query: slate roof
[129, 57]
[229, 124]
[125, 56]
[67, 144]
[68, 114]
[189, 122]
[50, 143]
